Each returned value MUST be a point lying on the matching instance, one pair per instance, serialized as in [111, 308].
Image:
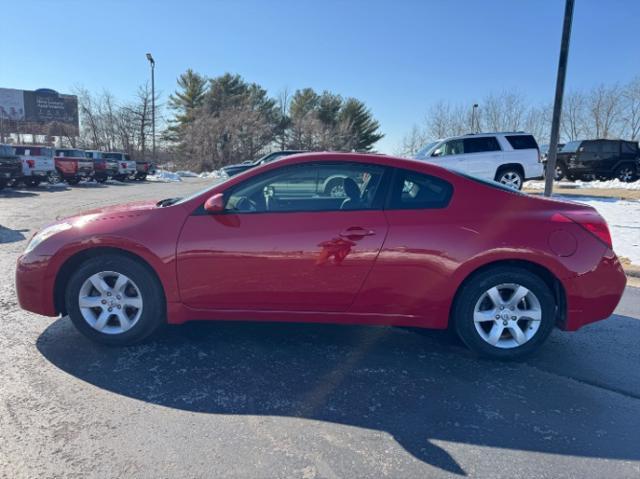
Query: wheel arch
[550, 279]
[71, 263]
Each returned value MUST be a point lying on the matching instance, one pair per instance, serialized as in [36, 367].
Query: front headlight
[46, 233]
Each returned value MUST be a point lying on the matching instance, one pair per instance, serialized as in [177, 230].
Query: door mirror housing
[215, 204]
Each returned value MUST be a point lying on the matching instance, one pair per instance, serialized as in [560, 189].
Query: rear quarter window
[411, 190]
[522, 142]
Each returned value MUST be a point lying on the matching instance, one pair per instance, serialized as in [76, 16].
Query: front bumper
[34, 285]
[594, 295]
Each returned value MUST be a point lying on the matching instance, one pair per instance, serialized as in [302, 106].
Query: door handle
[356, 231]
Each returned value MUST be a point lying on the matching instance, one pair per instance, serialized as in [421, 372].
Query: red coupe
[336, 238]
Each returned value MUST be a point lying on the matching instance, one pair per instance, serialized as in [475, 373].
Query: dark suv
[599, 159]
[231, 170]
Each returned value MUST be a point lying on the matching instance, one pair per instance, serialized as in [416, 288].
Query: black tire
[73, 181]
[626, 173]
[101, 179]
[334, 188]
[54, 177]
[32, 182]
[474, 289]
[516, 174]
[561, 171]
[154, 305]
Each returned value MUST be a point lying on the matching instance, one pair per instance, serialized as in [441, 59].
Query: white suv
[507, 157]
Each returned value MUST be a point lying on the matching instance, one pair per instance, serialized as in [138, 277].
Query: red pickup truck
[72, 165]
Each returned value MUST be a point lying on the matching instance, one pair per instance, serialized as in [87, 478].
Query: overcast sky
[398, 56]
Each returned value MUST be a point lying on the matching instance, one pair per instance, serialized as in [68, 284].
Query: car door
[412, 270]
[448, 155]
[283, 244]
[482, 157]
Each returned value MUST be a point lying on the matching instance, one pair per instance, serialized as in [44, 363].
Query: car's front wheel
[115, 300]
[504, 313]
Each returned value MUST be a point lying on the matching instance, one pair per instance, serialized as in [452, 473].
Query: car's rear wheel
[511, 177]
[73, 181]
[560, 172]
[115, 300]
[504, 313]
[626, 173]
[54, 177]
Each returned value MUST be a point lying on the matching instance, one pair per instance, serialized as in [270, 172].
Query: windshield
[571, 147]
[116, 156]
[179, 201]
[426, 150]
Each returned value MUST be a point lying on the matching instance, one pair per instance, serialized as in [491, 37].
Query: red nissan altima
[336, 238]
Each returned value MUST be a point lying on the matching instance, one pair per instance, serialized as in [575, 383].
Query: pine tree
[188, 98]
[359, 120]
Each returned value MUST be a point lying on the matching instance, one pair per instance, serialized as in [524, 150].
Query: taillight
[31, 163]
[590, 221]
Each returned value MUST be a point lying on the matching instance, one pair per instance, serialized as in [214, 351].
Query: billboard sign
[39, 112]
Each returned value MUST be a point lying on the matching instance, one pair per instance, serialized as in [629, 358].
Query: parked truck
[10, 165]
[104, 168]
[127, 168]
[73, 165]
[37, 164]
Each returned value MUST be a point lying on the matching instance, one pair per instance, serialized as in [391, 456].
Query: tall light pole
[557, 104]
[475, 124]
[153, 106]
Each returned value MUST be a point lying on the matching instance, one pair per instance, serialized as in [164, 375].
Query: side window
[412, 190]
[480, 145]
[629, 148]
[310, 187]
[453, 147]
[522, 142]
[590, 147]
[610, 149]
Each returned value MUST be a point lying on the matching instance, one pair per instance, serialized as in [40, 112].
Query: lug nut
[118, 297]
[497, 316]
[104, 301]
[110, 309]
[513, 317]
[504, 323]
[108, 294]
[119, 306]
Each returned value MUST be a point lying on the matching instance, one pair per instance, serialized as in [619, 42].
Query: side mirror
[436, 153]
[215, 204]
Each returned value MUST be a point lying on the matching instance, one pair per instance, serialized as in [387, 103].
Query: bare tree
[412, 142]
[604, 108]
[631, 114]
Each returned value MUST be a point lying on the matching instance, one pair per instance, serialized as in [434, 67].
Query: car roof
[374, 158]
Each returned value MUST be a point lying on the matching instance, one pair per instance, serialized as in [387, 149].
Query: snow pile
[186, 174]
[164, 176]
[623, 218]
[602, 185]
[211, 174]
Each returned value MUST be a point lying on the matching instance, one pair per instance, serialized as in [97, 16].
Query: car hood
[136, 208]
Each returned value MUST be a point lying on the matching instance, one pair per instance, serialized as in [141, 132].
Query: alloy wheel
[507, 315]
[511, 179]
[110, 302]
[626, 174]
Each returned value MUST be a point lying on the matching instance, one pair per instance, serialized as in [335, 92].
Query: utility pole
[557, 104]
[153, 107]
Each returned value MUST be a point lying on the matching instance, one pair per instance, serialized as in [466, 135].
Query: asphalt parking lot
[301, 401]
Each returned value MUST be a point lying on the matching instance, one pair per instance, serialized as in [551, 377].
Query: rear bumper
[594, 295]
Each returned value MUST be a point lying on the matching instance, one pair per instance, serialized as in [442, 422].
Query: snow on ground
[623, 218]
[608, 184]
[186, 174]
[211, 174]
[164, 177]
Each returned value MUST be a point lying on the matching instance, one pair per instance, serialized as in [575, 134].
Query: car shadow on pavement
[9, 193]
[8, 235]
[425, 390]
